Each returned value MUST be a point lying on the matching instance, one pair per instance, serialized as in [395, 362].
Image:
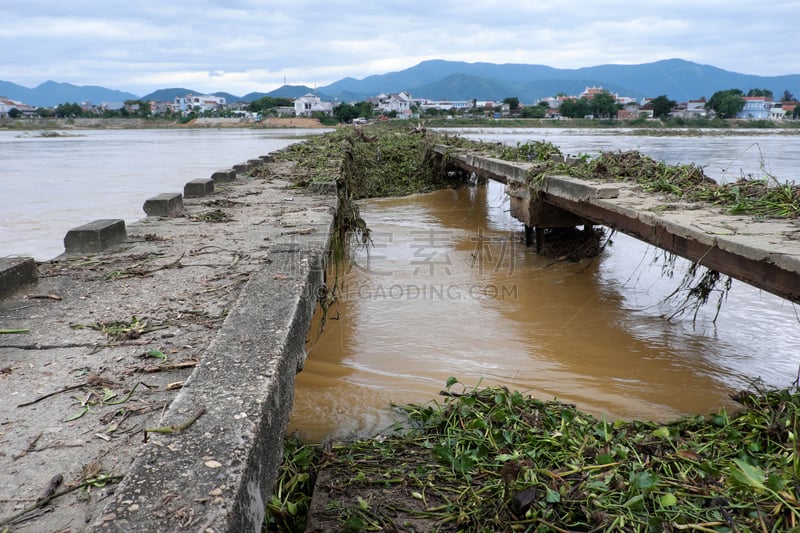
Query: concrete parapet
[164, 205]
[198, 188]
[95, 236]
[203, 453]
[16, 272]
[223, 176]
[222, 469]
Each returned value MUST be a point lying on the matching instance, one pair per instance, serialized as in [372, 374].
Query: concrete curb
[230, 302]
[222, 470]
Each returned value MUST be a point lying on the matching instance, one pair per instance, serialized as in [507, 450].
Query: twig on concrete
[51, 487]
[104, 479]
[31, 447]
[54, 393]
[177, 428]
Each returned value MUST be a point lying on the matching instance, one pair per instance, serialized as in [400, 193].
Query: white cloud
[242, 46]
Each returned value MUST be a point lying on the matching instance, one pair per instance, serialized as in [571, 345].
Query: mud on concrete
[151, 384]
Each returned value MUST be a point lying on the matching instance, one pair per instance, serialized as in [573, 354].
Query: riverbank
[153, 123]
[644, 127]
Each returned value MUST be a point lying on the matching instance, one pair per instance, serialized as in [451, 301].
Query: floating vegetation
[222, 202]
[215, 215]
[122, 330]
[385, 159]
[761, 198]
[496, 460]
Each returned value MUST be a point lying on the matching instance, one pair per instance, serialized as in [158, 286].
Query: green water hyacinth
[496, 460]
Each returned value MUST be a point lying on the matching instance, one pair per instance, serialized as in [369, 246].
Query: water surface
[451, 290]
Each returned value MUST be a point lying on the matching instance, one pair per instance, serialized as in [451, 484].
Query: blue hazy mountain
[51, 93]
[678, 79]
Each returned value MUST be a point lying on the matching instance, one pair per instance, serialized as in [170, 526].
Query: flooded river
[449, 289]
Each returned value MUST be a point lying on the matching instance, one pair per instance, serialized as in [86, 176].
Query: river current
[449, 288]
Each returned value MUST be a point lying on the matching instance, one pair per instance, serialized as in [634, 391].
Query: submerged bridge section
[762, 253]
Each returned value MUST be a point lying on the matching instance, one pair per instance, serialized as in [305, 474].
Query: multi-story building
[198, 103]
[398, 102]
[309, 104]
[755, 108]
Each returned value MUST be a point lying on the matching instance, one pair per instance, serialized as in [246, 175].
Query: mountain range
[678, 79]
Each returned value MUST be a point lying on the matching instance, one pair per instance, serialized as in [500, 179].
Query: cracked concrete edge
[218, 474]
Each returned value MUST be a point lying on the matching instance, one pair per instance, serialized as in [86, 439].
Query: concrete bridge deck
[151, 382]
[763, 253]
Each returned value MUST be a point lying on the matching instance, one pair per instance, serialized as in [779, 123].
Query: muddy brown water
[449, 289]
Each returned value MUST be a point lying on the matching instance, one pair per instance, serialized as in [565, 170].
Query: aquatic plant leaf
[668, 500]
[662, 432]
[747, 475]
[643, 480]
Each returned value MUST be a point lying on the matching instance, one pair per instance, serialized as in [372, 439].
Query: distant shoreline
[647, 127]
[142, 123]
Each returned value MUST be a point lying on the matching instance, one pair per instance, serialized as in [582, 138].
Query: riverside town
[592, 103]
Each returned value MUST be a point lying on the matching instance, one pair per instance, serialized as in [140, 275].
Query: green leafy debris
[496, 460]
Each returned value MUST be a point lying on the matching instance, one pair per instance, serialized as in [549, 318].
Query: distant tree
[513, 103]
[45, 112]
[68, 110]
[137, 108]
[365, 109]
[726, 103]
[760, 92]
[662, 106]
[535, 111]
[603, 105]
[268, 102]
[345, 113]
[575, 108]
[14, 113]
[325, 118]
[787, 96]
[796, 112]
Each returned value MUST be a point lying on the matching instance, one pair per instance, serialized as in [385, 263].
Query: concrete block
[268, 158]
[223, 176]
[164, 205]
[95, 236]
[241, 168]
[16, 272]
[253, 164]
[198, 188]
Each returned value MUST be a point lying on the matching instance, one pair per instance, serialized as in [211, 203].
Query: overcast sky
[242, 46]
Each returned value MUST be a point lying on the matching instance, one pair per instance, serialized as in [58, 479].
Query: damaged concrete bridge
[764, 253]
[147, 374]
